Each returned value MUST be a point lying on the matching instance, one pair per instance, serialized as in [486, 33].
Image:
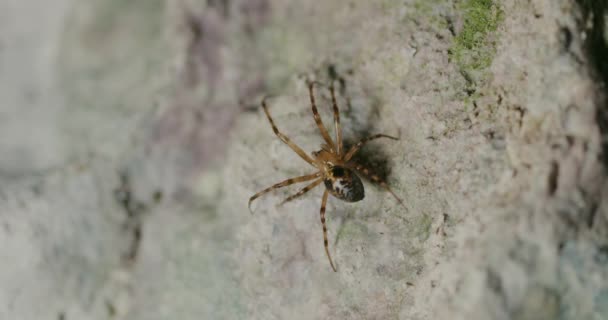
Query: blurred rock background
[131, 139]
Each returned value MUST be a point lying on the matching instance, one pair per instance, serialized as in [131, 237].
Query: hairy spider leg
[359, 144]
[284, 138]
[336, 120]
[363, 170]
[317, 117]
[303, 191]
[325, 242]
[281, 184]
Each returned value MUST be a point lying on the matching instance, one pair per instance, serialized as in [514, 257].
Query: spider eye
[338, 172]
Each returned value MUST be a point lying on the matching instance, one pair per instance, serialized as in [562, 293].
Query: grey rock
[132, 139]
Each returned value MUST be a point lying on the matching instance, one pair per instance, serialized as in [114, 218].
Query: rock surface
[132, 140]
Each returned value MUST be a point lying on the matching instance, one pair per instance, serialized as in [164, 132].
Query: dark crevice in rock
[596, 47]
[565, 38]
[333, 75]
[133, 210]
[553, 178]
[593, 210]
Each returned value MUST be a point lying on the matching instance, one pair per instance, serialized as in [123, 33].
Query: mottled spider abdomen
[344, 184]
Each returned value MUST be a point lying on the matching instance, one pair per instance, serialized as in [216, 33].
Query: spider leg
[336, 120]
[285, 139]
[317, 117]
[359, 144]
[281, 184]
[376, 179]
[325, 242]
[303, 191]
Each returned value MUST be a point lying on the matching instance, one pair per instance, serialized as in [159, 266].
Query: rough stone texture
[132, 140]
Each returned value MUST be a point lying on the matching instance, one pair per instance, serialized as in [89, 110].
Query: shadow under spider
[374, 157]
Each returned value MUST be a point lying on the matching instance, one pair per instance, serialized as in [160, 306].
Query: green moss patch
[474, 48]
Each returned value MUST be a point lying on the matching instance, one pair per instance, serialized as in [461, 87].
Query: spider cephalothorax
[334, 166]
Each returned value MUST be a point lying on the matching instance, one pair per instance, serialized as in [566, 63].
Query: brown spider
[335, 168]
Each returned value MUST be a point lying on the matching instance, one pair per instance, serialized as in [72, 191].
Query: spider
[334, 166]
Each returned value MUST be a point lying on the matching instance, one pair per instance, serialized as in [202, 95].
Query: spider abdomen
[344, 184]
